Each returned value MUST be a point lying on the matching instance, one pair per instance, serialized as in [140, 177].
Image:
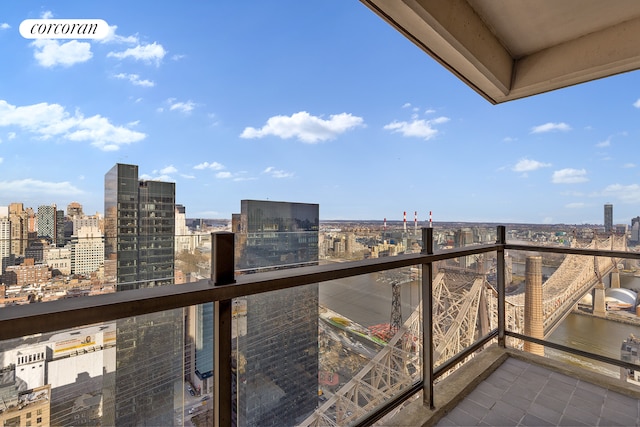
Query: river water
[367, 301]
[592, 334]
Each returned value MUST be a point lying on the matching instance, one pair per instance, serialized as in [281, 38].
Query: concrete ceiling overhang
[510, 49]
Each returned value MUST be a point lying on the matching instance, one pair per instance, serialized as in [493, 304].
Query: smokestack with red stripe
[385, 224]
[415, 223]
[405, 221]
[430, 222]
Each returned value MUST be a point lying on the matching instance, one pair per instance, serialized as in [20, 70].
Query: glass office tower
[277, 352]
[608, 218]
[139, 245]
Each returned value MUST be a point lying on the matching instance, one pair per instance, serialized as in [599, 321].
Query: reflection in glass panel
[59, 376]
[276, 333]
[332, 351]
[117, 373]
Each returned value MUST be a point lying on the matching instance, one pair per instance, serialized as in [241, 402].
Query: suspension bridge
[465, 307]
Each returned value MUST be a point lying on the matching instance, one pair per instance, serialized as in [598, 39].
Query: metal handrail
[24, 320]
[33, 319]
[30, 319]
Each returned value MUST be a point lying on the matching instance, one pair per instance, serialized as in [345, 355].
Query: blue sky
[315, 101]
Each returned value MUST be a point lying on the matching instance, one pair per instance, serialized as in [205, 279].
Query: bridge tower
[599, 306]
[396, 310]
[615, 274]
[533, 315]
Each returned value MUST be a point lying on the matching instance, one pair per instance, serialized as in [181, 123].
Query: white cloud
[30, 186]
[275, 173]
[177, 57]
[4, 26]
[102, 134]
[1, 160]
[112, 37]
[206, 165]
[406, 105]
[135, 79]
[168, 170]
[235, 176]
[605, 143]
[11, 135]
[576, 205]
[187, 176]
[305, 127]
[155, 177]
[50, 53]
[527, 165]
[47, 14]
[637, 104]
[185, 107]
[625, 193]
[149, 53]
[551, 127]
[51, 120]
[569, 176]
[629, 165]
[509, 139]
[417, 128]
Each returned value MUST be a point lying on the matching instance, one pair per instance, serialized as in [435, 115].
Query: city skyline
[312, 103]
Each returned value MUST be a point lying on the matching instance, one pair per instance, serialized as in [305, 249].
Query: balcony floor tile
[558, 400]
[534, 391]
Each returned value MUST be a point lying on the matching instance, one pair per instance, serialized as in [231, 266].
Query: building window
[39, 419]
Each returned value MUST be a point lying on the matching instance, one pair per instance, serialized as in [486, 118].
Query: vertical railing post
[222, 273]
[500, 276]
[427, 319]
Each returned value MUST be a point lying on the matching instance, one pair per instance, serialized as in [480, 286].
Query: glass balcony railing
[340, 343]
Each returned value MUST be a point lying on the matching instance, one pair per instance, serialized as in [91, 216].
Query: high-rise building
[139, 240]
[182, 232]
[60, 240]
[47, 222]
[19, 229]
[87, 250]
[608, 218]
[635, 230]
[199, 347]
[277, 354]
[5, 239]
[74, 209]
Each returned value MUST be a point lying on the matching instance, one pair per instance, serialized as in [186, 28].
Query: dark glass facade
[139, 245]
[277, 354]
[608, 218]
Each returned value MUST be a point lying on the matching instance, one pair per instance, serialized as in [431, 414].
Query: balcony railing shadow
[224, 286]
